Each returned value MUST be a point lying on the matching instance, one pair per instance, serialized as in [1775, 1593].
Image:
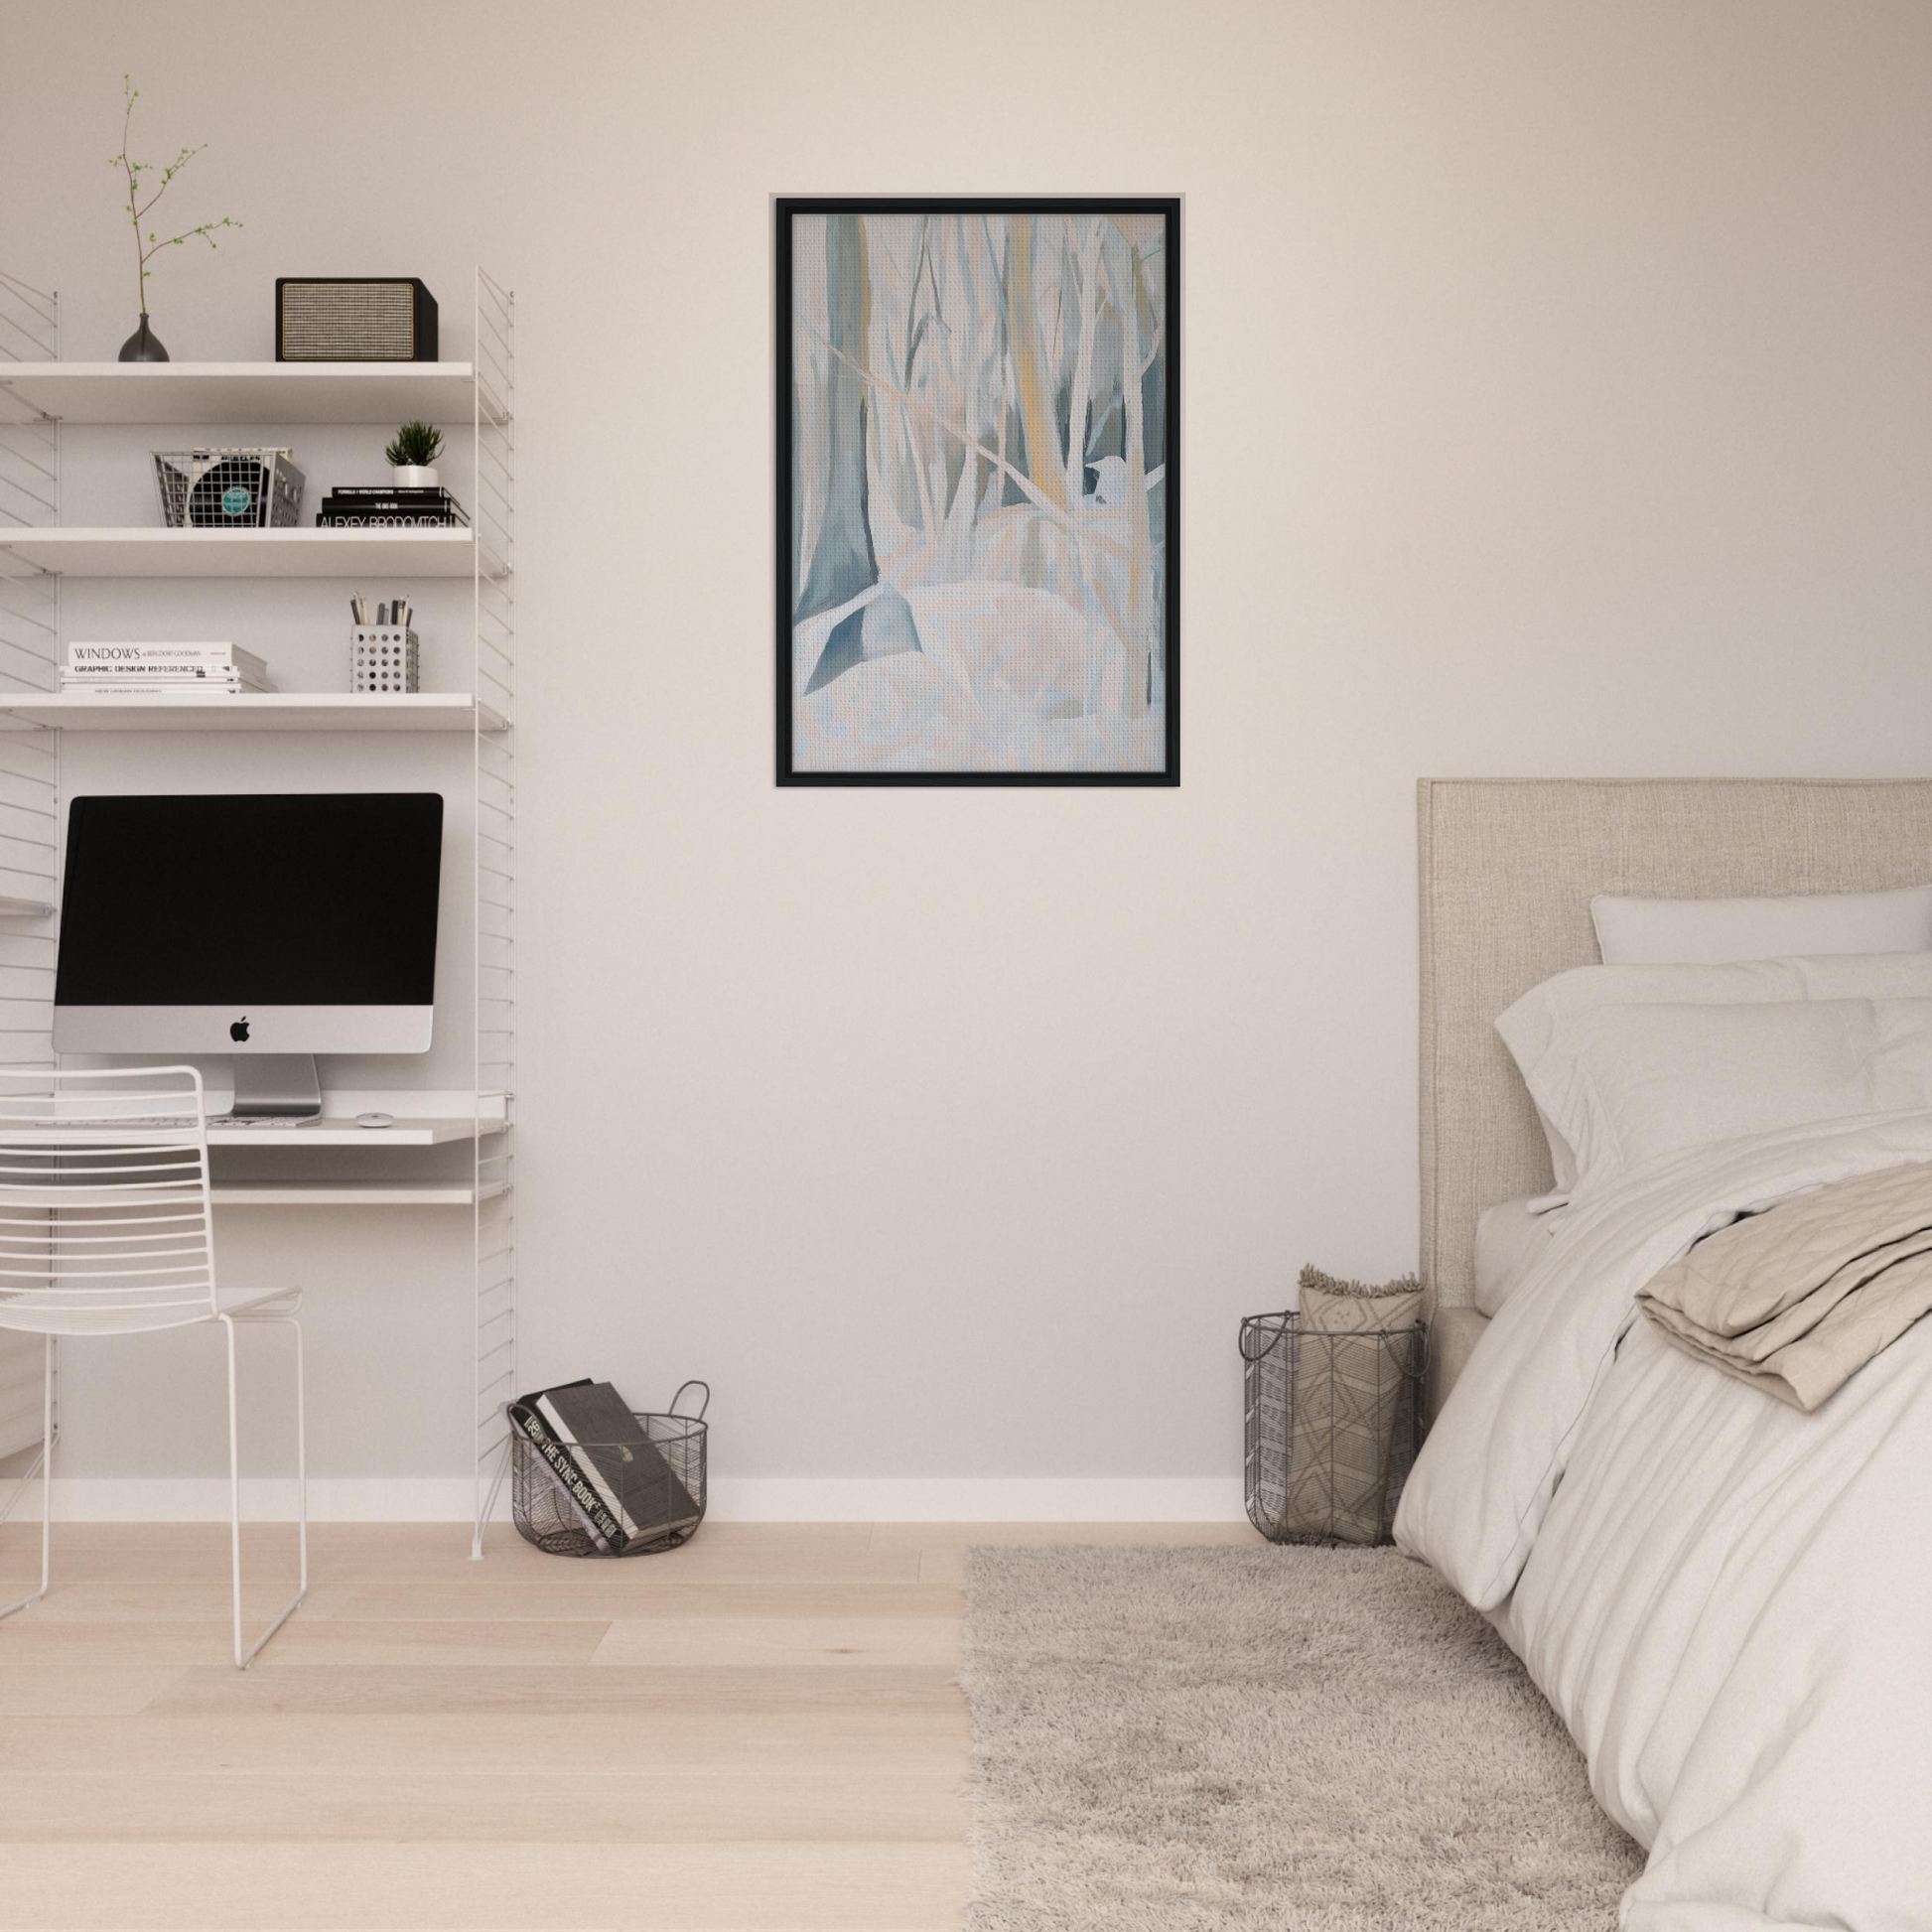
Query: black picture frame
[786, 574]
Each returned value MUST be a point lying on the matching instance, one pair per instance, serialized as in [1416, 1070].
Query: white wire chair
[106, 1229]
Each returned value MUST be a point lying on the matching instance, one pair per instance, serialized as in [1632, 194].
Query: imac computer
[266, 926]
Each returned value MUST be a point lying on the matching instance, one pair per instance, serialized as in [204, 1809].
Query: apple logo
[239, 1030]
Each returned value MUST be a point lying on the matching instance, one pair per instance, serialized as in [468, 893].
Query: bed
[1728, 1601]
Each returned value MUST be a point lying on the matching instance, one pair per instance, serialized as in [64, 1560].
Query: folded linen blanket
[1797, 1300]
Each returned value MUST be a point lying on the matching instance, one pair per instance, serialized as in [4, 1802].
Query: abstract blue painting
[978, 492]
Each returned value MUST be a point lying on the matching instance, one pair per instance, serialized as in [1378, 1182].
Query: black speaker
[353, 318]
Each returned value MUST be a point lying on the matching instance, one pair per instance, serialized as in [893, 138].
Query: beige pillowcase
[1348, 1385]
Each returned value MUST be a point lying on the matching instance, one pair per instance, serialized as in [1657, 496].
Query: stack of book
[382, 507]
[202, 668]
[617, 1481]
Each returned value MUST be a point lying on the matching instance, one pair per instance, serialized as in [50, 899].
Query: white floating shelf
[344, 1133]
[348, 1193]
[243, 392]
[257, 711]
[390, 554]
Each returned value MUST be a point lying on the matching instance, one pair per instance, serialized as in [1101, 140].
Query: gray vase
[144, 345]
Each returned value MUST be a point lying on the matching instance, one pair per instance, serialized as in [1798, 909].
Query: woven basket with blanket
[1333, 1409]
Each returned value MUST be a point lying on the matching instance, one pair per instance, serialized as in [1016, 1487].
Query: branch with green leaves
[147, 244]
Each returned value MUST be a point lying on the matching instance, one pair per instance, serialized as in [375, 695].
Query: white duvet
[1728, 1601]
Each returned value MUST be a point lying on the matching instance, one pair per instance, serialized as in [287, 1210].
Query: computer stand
[276, 1086]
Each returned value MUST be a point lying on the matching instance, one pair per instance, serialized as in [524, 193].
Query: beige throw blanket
[1798, 1300]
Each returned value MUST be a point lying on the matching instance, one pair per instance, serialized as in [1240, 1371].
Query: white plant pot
[413, 476]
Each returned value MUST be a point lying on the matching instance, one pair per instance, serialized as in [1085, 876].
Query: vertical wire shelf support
[493, 511]
[30, 785]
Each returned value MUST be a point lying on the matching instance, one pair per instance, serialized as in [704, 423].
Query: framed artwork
[978, 492]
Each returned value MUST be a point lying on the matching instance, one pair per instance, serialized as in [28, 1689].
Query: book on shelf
[616, 1479]
[148, 687]
[138, 664]
[120, 684]
[387, 507]
[371, 516]
[394, 493]
[138, 678]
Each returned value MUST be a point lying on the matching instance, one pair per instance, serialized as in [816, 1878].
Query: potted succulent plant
[412, 455]
[143, 345]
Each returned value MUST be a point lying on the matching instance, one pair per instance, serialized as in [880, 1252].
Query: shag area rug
[1301, 1739]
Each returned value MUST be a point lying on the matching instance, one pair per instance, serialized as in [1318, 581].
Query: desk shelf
[80, 551]
[254, 711]
[350, 1194]
[383, 394]
[438, 1132]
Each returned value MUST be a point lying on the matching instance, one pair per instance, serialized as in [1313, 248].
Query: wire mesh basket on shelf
[228, 490]
[657, 1499]
[1333, 1424]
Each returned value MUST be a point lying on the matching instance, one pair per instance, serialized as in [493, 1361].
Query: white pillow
[1628, 1083]
[1713, 931]
[1530, 1027]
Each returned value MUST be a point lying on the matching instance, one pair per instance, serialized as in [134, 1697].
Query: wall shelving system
[40, 396]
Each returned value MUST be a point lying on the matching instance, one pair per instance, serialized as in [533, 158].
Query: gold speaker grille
[348, 322]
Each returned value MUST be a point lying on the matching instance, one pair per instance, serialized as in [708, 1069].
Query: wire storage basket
[1334, 1423]
[653, 1491]
[228, 490]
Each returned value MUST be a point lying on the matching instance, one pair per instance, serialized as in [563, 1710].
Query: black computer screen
[251, 899]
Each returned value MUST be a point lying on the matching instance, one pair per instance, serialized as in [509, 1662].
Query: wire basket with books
[590, 1476]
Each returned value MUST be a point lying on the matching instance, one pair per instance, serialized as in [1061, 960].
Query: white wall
[1557, 399]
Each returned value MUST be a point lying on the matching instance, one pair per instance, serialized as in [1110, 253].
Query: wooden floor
[759, 1732]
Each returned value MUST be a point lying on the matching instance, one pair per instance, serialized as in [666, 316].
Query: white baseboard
[204, 1499]
[976, 1499]
[733, 1499]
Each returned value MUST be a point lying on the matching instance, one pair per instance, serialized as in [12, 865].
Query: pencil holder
[382, 658]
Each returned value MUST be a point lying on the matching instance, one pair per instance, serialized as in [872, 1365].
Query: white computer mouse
[375, 1120]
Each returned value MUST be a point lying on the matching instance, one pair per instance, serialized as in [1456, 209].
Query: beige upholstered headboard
[1507, 870]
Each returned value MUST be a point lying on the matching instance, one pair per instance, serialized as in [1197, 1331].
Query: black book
[381, 507]
[371, 517]
[416, 504]
[526, 1418]
[434, 506]
[415, 492]
[634, 1482]
[388, 507]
